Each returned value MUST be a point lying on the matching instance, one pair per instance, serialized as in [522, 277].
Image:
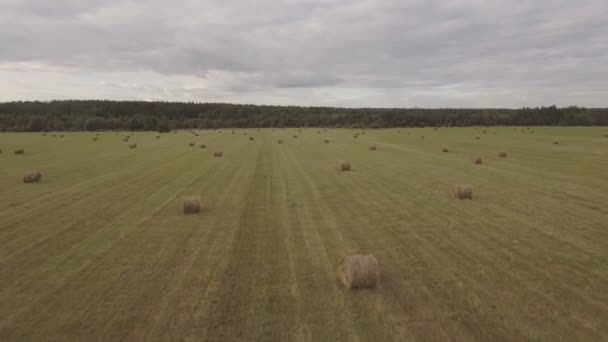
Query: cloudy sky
[375, 53]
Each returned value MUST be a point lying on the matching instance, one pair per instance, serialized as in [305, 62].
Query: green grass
[100, 249]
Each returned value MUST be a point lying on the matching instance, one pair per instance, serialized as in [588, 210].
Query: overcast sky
[382, 53]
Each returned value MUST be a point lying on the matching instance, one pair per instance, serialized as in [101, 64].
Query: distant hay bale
[445, 149]
[54, 135]
[355, 136]
[484, 131]
[202, 146]
[372, 148]
[30, 176]
[502, 154]
[191, 144]
[19, 151]
[158, 137]
[95, 138]
[359, 271]
[295, 136]
[250, 138]
[435, 129]
[556, 142]
[478, 137]
[43, 134]
[363, 132]
[477, 160]
[133, 145]
[279, 141]
[422, 137]
[345, 167]
[191, 204]
[61, 136]
[217, 154]
[463, 192]
[326, 141]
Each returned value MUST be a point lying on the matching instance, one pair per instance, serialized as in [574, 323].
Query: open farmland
[100, 248]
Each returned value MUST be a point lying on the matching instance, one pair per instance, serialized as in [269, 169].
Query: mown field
[100, 250]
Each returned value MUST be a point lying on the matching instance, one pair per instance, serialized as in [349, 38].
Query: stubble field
[100, 249]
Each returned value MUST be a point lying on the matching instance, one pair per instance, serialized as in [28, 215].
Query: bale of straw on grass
[19, 151]
[133, 145]
[202, 146]
[158, 137]
[372, 148]
[279, 141]
[295, 137]
[326, 141]
[556, 142]
[251, 138]
[191, 204]
[502, 154]
[95, 138]
[463, 192]
[217, 154]
[30, 176]
[477, 160]
[359, 271]
[478, 137]
[191, 144]
[445, 149]
[345, 167]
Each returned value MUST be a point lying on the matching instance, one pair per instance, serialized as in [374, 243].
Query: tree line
[97, 115]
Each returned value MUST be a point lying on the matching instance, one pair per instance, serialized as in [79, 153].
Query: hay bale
[19, 151]
[30, 176]
[251, 138]
[477, 137]
[61, 136]
[502, 154]
[445, 149]
[191, 204]
[217, 154]
[463, 192]
[477, 160]
[326, 141]
[191, 144]
[133, 145]
[158, 137]
[422, 137]
[372, 148]
[359, 271]
[95, 138]
[279, 141]
[345, 167]
[202, 146]
[295, 137]
[556, 142]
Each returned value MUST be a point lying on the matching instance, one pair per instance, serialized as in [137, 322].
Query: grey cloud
[415, 48]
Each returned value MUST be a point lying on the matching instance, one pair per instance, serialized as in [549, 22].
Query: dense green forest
[93, 115]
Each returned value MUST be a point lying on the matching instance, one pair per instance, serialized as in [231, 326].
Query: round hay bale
[279, 141]
[251, 138]
[372, 148]
[295, 137]
[477, 160]
[202, 146]
[217, 154]
[477, 137]
[359, 271]
[61, 136]
[345, 167]
[19, 151]
[445, 149]
[355, 136]
[191, 204]
[30, 176]
[95, 138]
[463, 191]
[502, 154]
[133, 145]
[326, 141]
[422, 137]
[556, 142]
[158, 137]
[191, 144]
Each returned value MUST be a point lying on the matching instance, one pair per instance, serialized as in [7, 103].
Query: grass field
[99, 249]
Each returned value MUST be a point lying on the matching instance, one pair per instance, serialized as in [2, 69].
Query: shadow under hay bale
[359, 271]
[30, 176]
[218, 154]
[19, 151]
[556, 142]
[345, 167]
[445, 149]
[191, 204]
[463, 192]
